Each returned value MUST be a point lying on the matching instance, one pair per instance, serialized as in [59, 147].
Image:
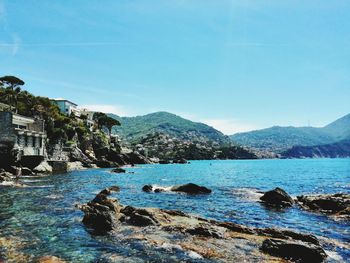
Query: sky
[235, 65]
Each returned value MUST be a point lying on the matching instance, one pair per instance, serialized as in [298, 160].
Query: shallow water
[42, 219]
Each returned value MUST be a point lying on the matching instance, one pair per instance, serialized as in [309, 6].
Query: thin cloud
[69, 44]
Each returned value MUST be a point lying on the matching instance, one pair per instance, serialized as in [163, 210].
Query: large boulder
[43, 168]
[296, 251]
[191, 189]
[101, 214]
[335, 204]
[137, 158]
[277, 198]
[76, 155]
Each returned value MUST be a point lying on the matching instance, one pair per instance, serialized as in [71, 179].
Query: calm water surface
[42, 220]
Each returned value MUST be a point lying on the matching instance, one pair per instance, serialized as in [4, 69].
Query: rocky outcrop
[222, 241]
[185, 188]
[333, 204]
[110, 190]
[277, 198]
[295, 251]
[76, 155]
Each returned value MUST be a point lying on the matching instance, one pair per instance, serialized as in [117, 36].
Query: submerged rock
[118, 170]
[334, 204]
[191, 189]
[277, 198]
[50, 259]
[295, 251]
[221, 241]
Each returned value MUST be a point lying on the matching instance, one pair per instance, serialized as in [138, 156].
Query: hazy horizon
[234, 65]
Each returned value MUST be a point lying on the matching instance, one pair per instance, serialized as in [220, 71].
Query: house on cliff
[68, 108]
[21, 139]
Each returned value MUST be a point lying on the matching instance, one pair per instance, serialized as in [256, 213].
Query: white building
[66, 106]
[22, 133]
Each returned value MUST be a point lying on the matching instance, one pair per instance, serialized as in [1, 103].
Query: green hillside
[134, 128]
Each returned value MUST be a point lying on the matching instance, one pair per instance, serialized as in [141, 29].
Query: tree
[12, 85]
[103, 120]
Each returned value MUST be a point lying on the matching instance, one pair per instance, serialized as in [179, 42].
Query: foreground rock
[294, 250]
[222, 241]
[43, 168]
[277, 198]
[185, 188]
[333, 204]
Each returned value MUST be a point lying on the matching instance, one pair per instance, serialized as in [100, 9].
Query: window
[34, 142]
[18, 139]
[26, 141]
[40, 142]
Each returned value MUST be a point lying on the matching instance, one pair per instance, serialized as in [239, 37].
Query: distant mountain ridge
[135, 128]
[280, 139]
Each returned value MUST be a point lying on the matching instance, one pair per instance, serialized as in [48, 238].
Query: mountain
[340, 129]
[279, 139]
[339, 149]
[135, 128]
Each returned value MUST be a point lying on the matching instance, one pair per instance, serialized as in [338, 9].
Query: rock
[43, 168]
[217, 241]
[26, 171]
[109, 190]
[277, 198]
[335, 204]
[202, 231]
[74, 166]
[147, 188]
[50, 259]
[158, 190]
[136, 158]
[191, 189]
[295, 251]
[118, 170]
[6, 177]
[101, 214]
[76, 155]
[180, 161]
[102, 163]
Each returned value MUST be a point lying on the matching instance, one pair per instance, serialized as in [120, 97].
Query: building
[66, 106]
[23, 134]
[89, 118]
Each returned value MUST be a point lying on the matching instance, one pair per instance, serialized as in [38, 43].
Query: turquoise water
[42, 219]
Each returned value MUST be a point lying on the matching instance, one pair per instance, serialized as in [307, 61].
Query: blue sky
[236, 65]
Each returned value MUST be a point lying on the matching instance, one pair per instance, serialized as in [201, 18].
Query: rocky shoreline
[200, 237]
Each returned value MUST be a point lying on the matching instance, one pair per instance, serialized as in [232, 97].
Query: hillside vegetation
[134, 129]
